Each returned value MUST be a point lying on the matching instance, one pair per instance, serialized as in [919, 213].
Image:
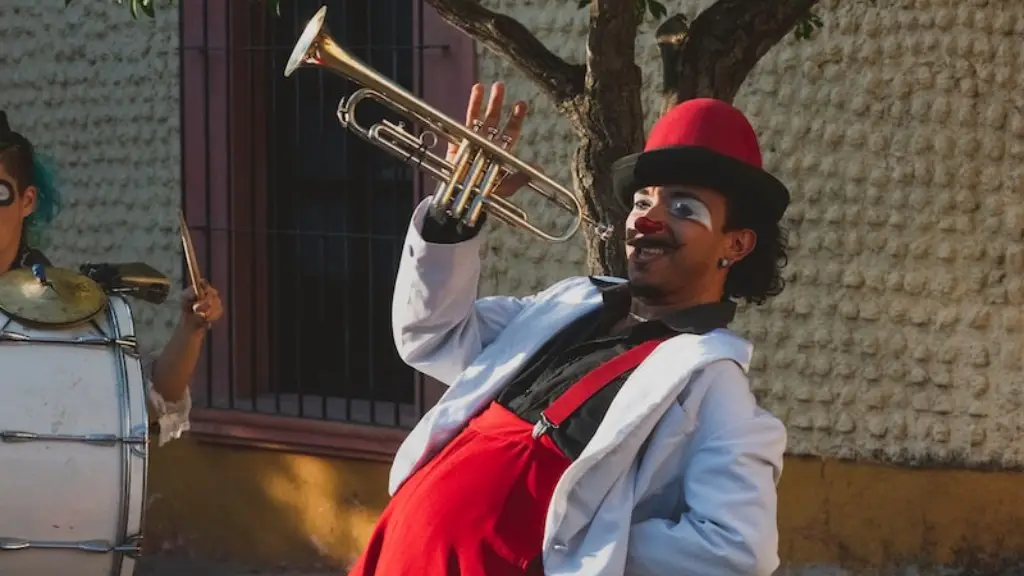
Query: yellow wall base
[265, 507]
[261, 507]
[862, 515]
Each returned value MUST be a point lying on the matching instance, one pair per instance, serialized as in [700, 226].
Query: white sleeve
[172, 418]
[729, 487]
[439, 324]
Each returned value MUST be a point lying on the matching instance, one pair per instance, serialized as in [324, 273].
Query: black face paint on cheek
[6, 193]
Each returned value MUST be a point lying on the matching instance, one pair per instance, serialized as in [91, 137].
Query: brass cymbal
[50, 296]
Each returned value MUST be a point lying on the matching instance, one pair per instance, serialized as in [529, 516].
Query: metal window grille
[317, 250]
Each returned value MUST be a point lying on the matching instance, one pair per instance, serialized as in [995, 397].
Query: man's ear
[740, 243]
[27, 201]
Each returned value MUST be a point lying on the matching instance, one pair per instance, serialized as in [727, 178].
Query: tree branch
[610, 106]
[723, 44]
[505, 36]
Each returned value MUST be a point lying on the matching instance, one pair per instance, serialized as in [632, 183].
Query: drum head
[50, 296]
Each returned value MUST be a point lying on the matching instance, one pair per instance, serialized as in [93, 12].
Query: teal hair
[44, 177]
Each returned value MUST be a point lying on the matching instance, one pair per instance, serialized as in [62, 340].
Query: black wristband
[440, 228]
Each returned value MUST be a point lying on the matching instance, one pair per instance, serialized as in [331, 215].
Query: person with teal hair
[29, 201]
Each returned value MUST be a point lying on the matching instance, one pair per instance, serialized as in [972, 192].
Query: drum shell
[69, 491]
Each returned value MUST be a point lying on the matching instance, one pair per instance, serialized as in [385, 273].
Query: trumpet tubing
[471, 178]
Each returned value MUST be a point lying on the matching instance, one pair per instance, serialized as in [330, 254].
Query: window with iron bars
[299, 222]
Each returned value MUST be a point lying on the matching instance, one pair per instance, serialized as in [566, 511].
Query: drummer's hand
[489, 128]
[200, 314]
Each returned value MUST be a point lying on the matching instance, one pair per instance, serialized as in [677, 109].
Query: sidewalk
[160, 565]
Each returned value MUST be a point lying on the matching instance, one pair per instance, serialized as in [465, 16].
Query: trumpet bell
[317, 48]
[306, 48]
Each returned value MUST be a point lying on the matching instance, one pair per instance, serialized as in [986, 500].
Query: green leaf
[582, 3]
[135, 9]
[805, 28]
[148, 9]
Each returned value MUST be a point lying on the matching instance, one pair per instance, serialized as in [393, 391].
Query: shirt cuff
[171, 418]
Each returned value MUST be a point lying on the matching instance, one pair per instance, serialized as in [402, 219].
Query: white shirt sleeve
[172, 418]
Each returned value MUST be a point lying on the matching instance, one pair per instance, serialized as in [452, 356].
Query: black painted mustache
[659, 241]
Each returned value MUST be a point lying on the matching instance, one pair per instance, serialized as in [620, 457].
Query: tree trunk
[592, 178]
[609, 123]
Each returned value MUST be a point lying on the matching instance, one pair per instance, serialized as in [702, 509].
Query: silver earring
[723, 262]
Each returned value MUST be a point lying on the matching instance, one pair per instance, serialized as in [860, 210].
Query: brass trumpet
[468, 182]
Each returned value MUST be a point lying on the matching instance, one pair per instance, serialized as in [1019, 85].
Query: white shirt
[172, 417]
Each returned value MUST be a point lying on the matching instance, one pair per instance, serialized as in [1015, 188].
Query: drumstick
[191, 261]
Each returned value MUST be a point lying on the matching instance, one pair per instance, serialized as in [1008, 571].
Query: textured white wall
[900, 131]
[99, 93]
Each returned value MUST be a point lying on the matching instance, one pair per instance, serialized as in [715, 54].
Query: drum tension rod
[94, 546]
[12, 436]
[126, 341]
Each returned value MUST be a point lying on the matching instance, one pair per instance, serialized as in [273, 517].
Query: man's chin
[642, 286]
[646, 292]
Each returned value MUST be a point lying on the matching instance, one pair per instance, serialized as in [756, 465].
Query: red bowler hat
[708, 143]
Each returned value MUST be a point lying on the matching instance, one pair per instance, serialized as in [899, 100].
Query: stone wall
[99, 93]
[900, 131]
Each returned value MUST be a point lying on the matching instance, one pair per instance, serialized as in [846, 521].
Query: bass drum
[73, 447]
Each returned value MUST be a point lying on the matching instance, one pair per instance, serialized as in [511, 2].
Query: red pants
[476, 509]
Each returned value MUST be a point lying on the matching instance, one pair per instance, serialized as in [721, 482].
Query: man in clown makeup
[28, 202]
[603, 426]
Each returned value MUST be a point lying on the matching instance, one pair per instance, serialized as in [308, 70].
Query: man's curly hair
[758, 276]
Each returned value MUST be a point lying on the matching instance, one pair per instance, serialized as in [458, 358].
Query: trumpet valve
[476, 208]
[451, 184]
[471, 185]
[488, 184]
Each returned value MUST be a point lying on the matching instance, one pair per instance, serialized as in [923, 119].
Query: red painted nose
[645, 225]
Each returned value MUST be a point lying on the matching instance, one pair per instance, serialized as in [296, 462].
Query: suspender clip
[542, 426]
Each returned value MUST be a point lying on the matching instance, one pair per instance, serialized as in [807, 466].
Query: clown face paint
[680, 206]
[6, 193]
[689, 208]
[678, 254]
[11, 219]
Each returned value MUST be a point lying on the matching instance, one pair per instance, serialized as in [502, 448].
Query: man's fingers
[476, 100]
[473, 112]
[494, 104]
[510, 133]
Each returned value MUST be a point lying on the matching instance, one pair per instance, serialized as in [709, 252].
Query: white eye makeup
[6, 193]
[688, 208]
[681, 207]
